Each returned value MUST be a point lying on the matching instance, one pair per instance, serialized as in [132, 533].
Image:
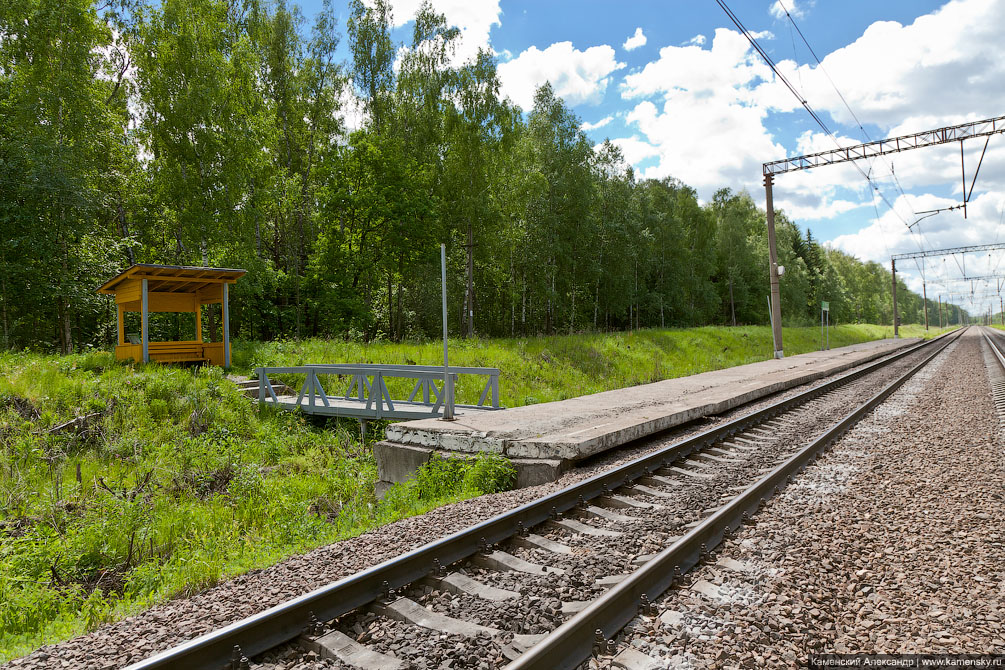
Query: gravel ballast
[890, 543]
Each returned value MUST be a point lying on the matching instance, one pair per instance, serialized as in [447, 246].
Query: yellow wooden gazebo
[171, 288]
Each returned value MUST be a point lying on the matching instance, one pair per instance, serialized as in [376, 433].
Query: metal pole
[940, 311]
[448, 382]
[893, 269]
[771, 317]
[924, 295]
[821, 328]
[963, 175]
[776, 301]
[828, 330]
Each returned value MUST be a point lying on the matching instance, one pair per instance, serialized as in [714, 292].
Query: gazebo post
[226, 326]
[122, 324]
[145, 327]
[198, 319]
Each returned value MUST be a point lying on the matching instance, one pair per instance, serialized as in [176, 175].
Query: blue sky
[678, 88]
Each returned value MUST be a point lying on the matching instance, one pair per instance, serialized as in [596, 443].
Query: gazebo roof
[173, 278]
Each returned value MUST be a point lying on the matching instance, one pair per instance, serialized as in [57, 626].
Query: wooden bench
[177, 352]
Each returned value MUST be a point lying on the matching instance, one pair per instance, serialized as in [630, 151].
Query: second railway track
[547, 584]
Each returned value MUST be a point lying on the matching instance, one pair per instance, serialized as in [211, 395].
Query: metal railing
[368, 395]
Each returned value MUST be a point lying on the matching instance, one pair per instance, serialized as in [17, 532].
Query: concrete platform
[546, 439]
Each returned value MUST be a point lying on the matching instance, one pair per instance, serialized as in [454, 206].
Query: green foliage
[182, 482]
[200, 132]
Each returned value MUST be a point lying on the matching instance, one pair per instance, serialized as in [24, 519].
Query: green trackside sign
[825, 306]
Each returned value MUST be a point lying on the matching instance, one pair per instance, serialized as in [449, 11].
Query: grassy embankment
[542, 369]
[124, 485]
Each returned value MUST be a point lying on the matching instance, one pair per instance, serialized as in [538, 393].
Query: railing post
[495, 389]
[448, 402]
[261, 384]
[311, 380]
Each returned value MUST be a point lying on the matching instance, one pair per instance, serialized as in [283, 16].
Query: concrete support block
[397, 462]
[535, 471]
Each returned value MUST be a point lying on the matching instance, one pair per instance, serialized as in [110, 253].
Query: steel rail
[286, 621]
[994, 347]
[571, 643]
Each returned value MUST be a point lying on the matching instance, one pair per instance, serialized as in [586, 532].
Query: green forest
[235, 133]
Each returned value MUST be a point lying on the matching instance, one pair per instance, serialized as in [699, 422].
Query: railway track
[996, 341]
[549, 584]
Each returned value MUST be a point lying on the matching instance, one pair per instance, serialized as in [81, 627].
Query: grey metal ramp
[354, 409]
[369, 395]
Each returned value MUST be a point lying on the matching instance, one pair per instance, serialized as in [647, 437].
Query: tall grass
[541, 369]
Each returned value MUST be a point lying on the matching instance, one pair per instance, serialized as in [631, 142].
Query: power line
[824, 70]
[924, 241]
[802, 100]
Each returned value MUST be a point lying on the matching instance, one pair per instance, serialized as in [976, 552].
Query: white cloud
[707, 111]
[474, 18]
[351, 111]
[580, 77]
[877, 241]
[697, 40]
[778, 8]
[633, 149]
[635, 41]
[889, 235]
[599, 124]
[698, 112]
[949, 63]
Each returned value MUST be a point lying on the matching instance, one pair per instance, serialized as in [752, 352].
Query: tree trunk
[469, 307]
[390, 307]
[399, 318]
[523, 307]
[572, 310]
[3, 299]
[732, 308]
[123, 227]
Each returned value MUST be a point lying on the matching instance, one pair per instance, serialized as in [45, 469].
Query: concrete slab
[505, 562]
[412, 612]
[557, 434]
[456, 582]
[338, 646]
